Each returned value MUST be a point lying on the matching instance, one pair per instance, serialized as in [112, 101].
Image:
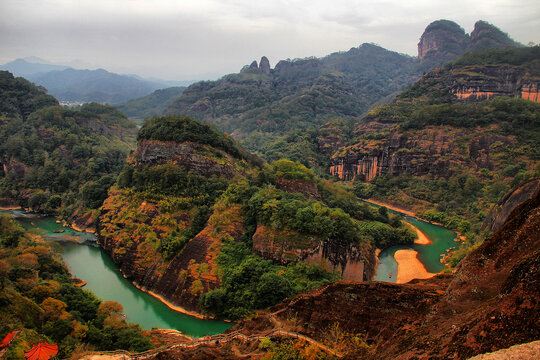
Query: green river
[430, 255]
[87, 261]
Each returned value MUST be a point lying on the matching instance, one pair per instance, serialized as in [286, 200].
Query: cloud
[205, 38]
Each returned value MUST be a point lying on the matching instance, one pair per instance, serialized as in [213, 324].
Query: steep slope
[55, 159]
[453, 141]
[197, 219]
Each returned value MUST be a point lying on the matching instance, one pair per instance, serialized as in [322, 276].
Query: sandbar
[409, 267]
[422, 238]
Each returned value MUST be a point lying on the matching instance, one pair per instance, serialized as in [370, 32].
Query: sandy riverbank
[409, 267]
[7, 208]
[392, 207]
[422, 238]
[172, 306]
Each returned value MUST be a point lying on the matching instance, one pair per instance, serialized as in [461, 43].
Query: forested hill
[57, 159]
[299, 93]
[453, 143]
[277, 112]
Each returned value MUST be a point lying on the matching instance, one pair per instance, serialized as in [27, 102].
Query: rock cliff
[444, 41]
[352, 262]
[192, 156]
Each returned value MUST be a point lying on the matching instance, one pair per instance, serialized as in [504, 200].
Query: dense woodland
[38, 298]
[55, 159]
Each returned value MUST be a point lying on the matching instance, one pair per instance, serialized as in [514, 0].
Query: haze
[204, 39]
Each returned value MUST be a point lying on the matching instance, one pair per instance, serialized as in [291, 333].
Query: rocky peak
[264, 65]
[442, 40]
[485, 36]
[254, 65]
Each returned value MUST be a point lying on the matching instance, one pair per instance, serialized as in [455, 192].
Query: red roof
[42, 351]
[7, 339]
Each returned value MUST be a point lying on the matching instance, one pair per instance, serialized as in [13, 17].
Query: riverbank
[410, 267]
[392, 207]
[422, 238]
[171, 305]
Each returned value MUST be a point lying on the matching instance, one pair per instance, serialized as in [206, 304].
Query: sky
[205, 39]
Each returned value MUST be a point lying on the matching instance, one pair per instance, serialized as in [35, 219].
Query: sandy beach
[409, 267]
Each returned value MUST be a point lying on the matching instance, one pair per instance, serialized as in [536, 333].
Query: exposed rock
[305, 187]
[442, 41]
[492, 302]
[190, 155]
[181, 280]
[264, 65]
[354, 263]
[517, 352]
[415, 153]
[515, 197]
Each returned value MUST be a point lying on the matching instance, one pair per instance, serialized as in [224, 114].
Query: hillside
[92, 86]
[150, 105]
[22, 67]
[299, 93]
[206, 225]
[55, 159]
[451, 144]
[41, 303]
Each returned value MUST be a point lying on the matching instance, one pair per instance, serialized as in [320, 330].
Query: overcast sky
[204, 39]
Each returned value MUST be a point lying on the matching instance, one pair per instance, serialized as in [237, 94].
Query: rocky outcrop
[487, 36]
[306, 187]
[264, 65]
[515, 197]
[427, 151]
[191, 156]
[353, 263]
[190, 273]
[442, 41]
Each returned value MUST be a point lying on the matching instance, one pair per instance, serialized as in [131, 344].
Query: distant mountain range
[74, 85]
[261, 102]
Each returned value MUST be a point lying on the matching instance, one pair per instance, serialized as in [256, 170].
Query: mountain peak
[486, 35]
[444, 41]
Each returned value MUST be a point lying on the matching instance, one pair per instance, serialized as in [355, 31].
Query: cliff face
[431, 150]
[446, 96]
[502, 210]
[444, 41]
[353, 263]
[190, 155]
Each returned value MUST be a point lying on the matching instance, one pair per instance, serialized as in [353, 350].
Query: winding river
[441, 238]
[87, 261]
